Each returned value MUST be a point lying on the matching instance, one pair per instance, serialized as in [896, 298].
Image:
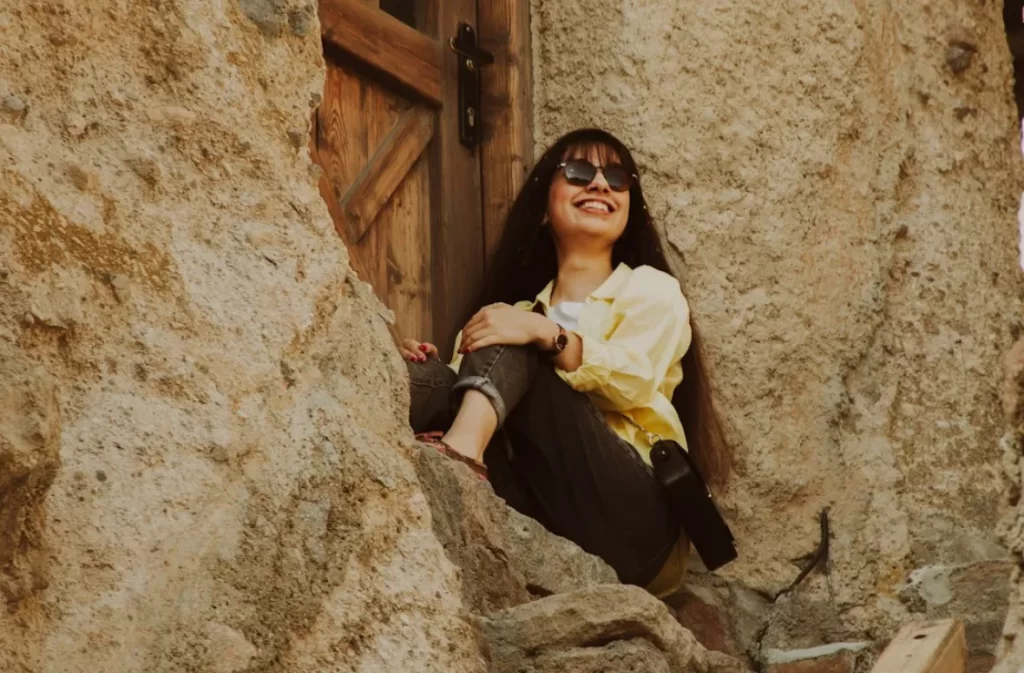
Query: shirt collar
[607, 290]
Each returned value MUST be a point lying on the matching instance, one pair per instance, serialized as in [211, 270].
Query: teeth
[595, 205]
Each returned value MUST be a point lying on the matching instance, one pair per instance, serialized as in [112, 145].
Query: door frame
[506, 147]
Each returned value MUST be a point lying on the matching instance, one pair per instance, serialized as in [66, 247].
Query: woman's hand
[415, 351]
[505, 325]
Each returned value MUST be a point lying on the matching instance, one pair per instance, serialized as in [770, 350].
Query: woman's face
[593, 212]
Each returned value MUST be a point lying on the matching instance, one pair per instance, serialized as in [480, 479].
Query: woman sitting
[582, 353]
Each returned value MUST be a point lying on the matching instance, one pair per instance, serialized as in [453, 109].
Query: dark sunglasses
[581, 173]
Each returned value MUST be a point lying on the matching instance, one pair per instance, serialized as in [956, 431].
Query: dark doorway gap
[1013, 18]
[410, 12]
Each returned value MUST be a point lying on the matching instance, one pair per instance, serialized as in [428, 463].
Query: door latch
[471, 59]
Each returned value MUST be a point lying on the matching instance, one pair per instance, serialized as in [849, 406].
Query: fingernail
[422, 359]
[423, 347]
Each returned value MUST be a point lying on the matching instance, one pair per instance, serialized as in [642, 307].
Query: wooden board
[507, 105]
[410, 293]
[458, 238]
[925, 647]
[353, 123]
[384, 43]
[386, 169]
[405, 195]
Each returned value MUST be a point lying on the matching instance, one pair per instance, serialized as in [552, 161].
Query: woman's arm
[627, 368]
[546, 331]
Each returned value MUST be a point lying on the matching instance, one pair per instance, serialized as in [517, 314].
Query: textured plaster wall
[202, 461]
[838, 182]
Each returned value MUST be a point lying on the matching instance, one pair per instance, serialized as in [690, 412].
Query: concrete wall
[838, 182]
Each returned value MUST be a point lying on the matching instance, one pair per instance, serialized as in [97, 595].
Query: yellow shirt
[635, 329]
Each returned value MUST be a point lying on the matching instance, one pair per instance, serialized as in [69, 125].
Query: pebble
[14, 106]
[959, 56]
[121, 287]
[146, 168]
[75, 124]
[301, 20]
[297, 137]
[14, 103]
[82, 179]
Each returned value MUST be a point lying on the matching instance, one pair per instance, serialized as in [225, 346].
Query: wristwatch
[561, 340]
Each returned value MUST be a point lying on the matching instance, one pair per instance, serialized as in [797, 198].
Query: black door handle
[471, 59]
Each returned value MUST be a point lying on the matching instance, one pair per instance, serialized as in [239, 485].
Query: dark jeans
[554, 458]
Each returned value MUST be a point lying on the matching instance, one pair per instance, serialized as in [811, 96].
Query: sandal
[434, 439]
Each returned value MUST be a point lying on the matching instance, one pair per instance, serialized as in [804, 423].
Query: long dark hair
[526, 261]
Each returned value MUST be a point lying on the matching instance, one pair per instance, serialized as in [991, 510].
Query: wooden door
[404, 193]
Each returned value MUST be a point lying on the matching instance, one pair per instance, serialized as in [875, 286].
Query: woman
[561, 381]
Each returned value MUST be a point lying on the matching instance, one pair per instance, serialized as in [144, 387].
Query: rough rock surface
[204, 458]
[29, 458]
[506, 559]
[838, 185]
[600, 628]
[724, 615]
[236, 490]
[1012, 646]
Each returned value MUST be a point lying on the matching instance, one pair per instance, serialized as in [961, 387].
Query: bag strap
[652, 438]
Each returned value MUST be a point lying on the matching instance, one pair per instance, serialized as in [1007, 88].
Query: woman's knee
[499, 360]
[502, 373]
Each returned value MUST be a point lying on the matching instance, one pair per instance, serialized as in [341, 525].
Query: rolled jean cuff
[484, 386]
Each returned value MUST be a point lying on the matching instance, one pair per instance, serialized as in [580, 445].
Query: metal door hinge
[471, 59]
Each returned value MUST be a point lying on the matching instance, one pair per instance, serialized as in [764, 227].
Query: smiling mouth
[594, 206]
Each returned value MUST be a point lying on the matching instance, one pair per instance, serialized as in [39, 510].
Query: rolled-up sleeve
[626, 369]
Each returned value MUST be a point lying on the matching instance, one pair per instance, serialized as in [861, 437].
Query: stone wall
[200, 468]
[204, 458]
[838, 183]
[1012, 645]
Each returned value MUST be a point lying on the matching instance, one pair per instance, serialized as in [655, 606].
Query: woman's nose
[599, 183]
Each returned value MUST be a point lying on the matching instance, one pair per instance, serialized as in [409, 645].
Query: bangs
[605, 154]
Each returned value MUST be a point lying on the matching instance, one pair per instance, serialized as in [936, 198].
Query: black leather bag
[691, 499]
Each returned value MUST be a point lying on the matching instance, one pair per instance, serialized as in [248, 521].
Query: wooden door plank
[395, 157]
[340, 141]
[381, 110]
[354, 117]
[455, 191]
[384, 43]
[407, 217]
[334, 209]
[507, 106]
[928, 647]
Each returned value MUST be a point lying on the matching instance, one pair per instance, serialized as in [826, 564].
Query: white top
[566, 314]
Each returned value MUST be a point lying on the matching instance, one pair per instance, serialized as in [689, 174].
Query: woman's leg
[555, 458]
[430, 392]
[592, 486]
[430, 410]
[491, 381]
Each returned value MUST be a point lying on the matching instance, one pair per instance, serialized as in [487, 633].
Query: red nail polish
[423, 347]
